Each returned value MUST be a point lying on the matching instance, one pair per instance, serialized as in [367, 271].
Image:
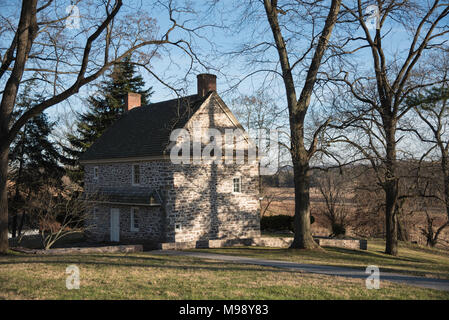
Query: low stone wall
[285, 242]
[177, 245]
[343, 243]
[207, 244]
[79, 250]
[274, 242]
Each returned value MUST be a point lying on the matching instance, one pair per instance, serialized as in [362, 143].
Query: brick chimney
[132, 100]
[206, 83]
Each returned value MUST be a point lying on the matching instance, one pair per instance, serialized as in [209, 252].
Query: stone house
[140, 195]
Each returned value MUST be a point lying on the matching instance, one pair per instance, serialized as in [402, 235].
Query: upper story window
[136, 174]
[95, 213]
[237, 185]
[135, 219]
[95, 173]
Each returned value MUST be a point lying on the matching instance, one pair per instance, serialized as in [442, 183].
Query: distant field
[282, 201]
[146, 276]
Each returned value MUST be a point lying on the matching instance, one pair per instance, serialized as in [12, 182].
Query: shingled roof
[126, 195]
[144, 131]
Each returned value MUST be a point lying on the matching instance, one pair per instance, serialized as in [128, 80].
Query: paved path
[438, 284]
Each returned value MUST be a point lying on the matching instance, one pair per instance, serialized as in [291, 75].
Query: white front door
[115, 224]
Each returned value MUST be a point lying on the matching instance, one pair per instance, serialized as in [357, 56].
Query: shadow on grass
[147, 262]
[330, 256]
[341, 258]
[362, 254]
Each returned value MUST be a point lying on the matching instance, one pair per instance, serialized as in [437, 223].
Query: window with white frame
[95, 173]
[237, 185]
[136, 174]
[135, 219]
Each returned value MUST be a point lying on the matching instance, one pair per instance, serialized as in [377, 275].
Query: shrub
[338, 230]
[280, 222]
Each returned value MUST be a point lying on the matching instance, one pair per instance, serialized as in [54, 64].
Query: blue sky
[229, 70]
[223, 40]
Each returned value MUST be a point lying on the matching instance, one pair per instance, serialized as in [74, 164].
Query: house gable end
[215, 114]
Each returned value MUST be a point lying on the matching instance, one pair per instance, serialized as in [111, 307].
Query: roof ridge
[169, 101]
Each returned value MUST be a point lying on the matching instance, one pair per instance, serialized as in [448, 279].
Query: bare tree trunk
[402, 231]
[14, 224]
[22, 222]
[303, 236]
[445, 166]
[391, 190]
[27, 29]
[391, 231]
[3, 202]
[17, 197]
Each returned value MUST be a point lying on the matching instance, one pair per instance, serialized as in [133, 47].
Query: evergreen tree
[34, 159]
[103, 111]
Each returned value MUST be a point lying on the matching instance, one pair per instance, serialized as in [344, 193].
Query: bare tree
[63, 62]
[259, 113]
[431, 231]
[59, 215]
[380, 94]
[432, 107]
[273, 196]
[279, 16]
[334, 188]
[369, 204]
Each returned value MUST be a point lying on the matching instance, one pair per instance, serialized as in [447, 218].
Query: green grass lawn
[412, 259]
[146, 276]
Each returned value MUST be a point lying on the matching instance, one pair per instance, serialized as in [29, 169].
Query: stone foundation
[343, 243]
[79, 250]
[273, 242]
[285, 242]
[203, 244]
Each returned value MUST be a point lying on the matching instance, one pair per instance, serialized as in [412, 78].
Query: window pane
[136, 221]
[236, 184]
[135, 218]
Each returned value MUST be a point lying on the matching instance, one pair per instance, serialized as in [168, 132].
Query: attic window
[236, 185]
[136, 174]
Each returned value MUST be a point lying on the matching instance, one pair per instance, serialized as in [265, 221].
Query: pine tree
[103, 111]
[34, 159]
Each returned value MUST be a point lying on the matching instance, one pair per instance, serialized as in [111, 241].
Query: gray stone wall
[285, 242]
[205, 207]
[153, 175]
[149, 224]
[200, 202]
